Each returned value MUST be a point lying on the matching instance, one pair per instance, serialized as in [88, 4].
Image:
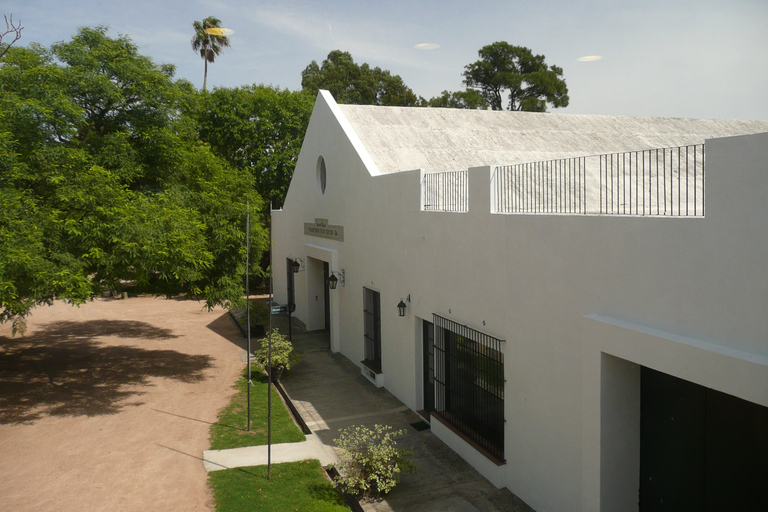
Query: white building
[589, 332]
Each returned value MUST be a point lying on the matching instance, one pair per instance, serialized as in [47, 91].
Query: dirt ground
[107, 406]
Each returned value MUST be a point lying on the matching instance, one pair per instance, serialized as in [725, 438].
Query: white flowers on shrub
[370, 464]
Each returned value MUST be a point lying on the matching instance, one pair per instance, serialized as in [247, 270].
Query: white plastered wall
[582, 302]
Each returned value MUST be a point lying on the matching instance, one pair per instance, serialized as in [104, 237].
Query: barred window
[469, 383]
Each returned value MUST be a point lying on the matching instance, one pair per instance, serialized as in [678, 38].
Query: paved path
[312, 448]
[330, 393]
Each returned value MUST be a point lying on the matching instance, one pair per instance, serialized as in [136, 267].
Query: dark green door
[736, 454]
[428, 337]
[327, 295]
[671, 443]
[700, 450]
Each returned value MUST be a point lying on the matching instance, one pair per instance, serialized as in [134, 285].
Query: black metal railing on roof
[663, 182]
[657, 182]
[554, 186]
[445, 192]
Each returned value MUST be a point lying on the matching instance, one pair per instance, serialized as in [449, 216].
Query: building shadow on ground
[226, 327]
[63, 369]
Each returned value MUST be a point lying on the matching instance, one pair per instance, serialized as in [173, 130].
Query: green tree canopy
[259, 130]
[470, 99]
[356, 84]
[529, 83]
[209, 39]
[103, 180]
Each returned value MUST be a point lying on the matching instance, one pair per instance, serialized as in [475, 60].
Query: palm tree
[209, 45]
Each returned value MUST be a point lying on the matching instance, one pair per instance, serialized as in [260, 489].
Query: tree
[30, 272]
[470, 99]
[10, 28]
[34, 115]
[259, 130]
[103, 180]
[208, 42]
[126, 104]
[276, 349]
[530, 84]
[356, 84]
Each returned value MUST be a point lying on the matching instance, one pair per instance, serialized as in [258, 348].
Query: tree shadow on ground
[63, 370]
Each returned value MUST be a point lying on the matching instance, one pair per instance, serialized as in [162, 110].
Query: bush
[259, 314]
[369, 464]
[283, 356]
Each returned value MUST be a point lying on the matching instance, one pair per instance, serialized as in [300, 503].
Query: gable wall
[685, 296]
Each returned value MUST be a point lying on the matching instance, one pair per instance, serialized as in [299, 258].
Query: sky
[667, 58]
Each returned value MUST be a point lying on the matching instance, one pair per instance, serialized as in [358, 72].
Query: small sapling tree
[283, 355]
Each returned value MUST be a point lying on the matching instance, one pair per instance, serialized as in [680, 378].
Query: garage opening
[700, 449]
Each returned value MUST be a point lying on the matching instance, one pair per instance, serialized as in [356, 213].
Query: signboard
[322, 229]
[276, 310]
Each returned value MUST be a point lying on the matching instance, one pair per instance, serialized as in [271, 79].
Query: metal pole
[248, 304]
[291, 296]
[269, 356]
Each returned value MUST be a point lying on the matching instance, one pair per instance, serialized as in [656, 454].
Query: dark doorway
[327, 294]
[428, 337]
[289, 262]
[700, 449]
[372, 329]
[291, 289]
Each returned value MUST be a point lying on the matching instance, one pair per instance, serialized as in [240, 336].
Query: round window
[321, 175]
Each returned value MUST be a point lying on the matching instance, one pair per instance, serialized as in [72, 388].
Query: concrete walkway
[330, 393]
[312, 448]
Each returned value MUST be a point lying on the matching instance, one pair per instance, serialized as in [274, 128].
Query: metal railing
[445, 191]
[469, 383]
[664, 182]
[658, 182]
[554, 186]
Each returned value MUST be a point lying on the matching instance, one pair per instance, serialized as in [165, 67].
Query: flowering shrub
[370, 465]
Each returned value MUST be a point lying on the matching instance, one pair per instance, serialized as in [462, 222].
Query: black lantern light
[401, 306]
[296, 266]
[335, 278]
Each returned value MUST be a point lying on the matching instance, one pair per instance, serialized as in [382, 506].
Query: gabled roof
[443, 139]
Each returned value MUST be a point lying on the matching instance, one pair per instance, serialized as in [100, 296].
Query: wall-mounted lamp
[335, 278]
[401, 306]
[297, 265]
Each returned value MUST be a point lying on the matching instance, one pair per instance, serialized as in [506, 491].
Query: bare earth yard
[108, 406]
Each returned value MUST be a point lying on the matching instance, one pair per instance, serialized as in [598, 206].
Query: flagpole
[248, 302]
[269, 353]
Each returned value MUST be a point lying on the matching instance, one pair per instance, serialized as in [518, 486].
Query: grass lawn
[230, 430]
[294, 486]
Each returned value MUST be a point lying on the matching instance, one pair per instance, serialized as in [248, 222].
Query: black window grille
[469, 383]
[372, 329]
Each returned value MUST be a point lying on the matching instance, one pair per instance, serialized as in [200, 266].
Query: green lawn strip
[230, 429]
[293, 486]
